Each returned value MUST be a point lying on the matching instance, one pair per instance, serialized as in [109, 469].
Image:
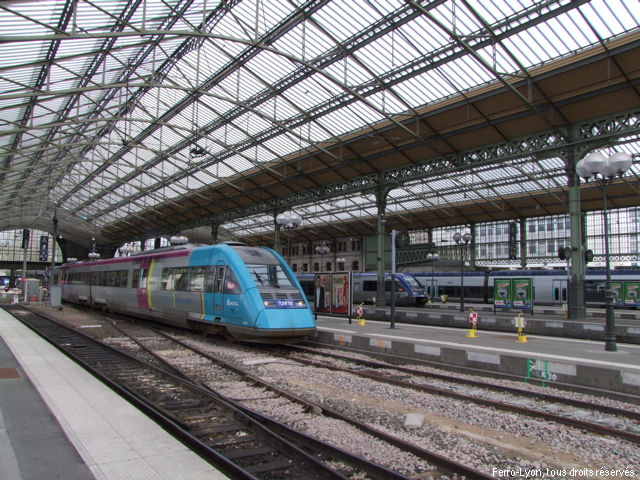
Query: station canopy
[132, 119]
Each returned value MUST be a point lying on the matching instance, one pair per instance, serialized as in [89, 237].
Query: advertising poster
[322, 293]
[502, 292]
[631, 290]
[522, 293]
[618, 293]
[340, 293]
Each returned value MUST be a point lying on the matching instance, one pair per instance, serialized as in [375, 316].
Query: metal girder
[546, 143]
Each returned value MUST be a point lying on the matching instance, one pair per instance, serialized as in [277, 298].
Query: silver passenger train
[550, 287]
[246, 293]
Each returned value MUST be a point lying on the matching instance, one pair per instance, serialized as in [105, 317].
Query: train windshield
[412, 282]
[270, 276]
[265, 268]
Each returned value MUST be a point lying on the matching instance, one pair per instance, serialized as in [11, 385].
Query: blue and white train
[245, 293]
[409, 292]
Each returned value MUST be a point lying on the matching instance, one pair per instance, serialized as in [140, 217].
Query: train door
[218, 288]
[559, 292]
[143, 284]
[431, 288]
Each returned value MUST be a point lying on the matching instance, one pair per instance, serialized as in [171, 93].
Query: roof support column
[472, 247]
[276, 234]
[381, 202]
[575, 303]
[523, 243]
[214, 232]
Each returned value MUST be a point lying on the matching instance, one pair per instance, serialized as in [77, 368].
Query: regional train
[242, 292]
[409, 292]
[550, 287]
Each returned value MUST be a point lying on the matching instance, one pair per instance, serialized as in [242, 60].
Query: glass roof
[112, 108]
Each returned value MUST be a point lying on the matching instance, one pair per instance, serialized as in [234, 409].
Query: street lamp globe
[288, 220]
[604, 170]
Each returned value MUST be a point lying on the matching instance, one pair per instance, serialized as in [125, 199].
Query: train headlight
[284, 303]
[270, 304]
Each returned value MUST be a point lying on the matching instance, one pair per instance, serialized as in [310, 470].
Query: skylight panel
[283, 145]
[347, 72]
[494, 10]
[224, 170]
[33, 17]
[609, 18]
[306, 94]
[88, 18]
[278, 108]
[387, 102]
[306, 41]
[270, 67]
[346, 120]
[378, 56]
[331, 16]
[237, 163]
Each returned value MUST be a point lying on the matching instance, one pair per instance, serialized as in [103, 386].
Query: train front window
[270, 276]
[412, 282]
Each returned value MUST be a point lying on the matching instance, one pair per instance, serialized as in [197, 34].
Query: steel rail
[232, 459]
[581, 424]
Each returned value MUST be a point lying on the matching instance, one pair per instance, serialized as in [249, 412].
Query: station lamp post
[604, 170]
[462, 241]
[322, 250]
[289, 221]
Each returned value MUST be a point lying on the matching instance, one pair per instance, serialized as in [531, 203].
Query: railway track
[593, 417]
[155, 346]
[193, 357]
[443, 463]
[242, 444]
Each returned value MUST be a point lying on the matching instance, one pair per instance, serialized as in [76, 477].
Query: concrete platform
[59, 422]
[576, 362]
[546, 320]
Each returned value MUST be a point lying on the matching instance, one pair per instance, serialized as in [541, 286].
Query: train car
[438, 284]
[7, 281]
[246, 293]
[549, 287]
[409, 292]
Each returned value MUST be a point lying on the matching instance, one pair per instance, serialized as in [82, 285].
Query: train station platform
[543, 320]
[59, 422]
[577, 363]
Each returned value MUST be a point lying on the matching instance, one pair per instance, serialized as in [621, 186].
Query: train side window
[110, 279]
[209, 282]
[219, 282]
[124, 278]
[135, 279]
[197, 277]
[370, 286]
[181, 279]
[231, 283]
[556, 293]
[166, 280]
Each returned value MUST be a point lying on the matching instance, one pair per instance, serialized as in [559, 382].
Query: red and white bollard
[473, 320]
